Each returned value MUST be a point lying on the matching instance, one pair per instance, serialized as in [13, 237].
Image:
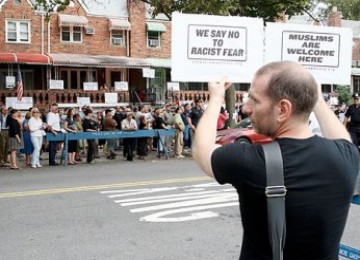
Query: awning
[159, 63]
[23, 58]
[72, 20]
[155, 27]
[97, 61]
[119, 24]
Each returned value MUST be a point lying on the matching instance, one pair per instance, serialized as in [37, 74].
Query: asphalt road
[157, 209]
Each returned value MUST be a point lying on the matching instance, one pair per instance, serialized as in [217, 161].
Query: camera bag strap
[275, 192]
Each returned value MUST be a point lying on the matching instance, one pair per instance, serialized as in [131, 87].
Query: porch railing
[44, 98]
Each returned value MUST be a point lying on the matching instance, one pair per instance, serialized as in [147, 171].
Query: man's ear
[285, 110]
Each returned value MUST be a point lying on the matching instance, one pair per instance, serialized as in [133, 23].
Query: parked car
[243, 133]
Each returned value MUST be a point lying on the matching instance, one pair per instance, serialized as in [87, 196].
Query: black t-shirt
[89, 124]
[159, 121]
[354, 113]
[319, 175]
[195, 115]
[118, 117]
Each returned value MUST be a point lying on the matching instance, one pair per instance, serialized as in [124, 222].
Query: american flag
[19, 85]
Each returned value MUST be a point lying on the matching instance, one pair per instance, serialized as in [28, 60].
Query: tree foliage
[344, 94]
[350, 9]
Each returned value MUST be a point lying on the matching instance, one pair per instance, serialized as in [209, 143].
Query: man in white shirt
[53, 122]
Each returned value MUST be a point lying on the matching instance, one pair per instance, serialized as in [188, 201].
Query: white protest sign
[121, 86]
[148, 73]
[324, 51]
[83, 101]
[10, 81]
[173, 86]
[206, 48]
[56, 84]
[111, 98]
[24, 104]
[91, 86]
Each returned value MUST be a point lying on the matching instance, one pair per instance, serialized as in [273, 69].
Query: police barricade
[65, 137]
[346, 251]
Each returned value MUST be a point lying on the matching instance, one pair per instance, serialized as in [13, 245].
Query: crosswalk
[175, 204]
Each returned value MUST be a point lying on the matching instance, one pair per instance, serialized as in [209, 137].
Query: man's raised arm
[205, 135]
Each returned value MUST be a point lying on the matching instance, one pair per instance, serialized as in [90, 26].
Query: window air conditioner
[117, 41]
[89, 30]
[153, 43]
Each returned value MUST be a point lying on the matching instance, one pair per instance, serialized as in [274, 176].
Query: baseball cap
[356, 95]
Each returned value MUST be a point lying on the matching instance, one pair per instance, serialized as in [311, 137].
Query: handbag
[275, 191]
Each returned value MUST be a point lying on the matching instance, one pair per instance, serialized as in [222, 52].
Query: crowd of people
[26, 134]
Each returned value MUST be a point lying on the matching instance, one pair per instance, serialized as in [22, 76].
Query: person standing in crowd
[37, 131]
[53, 123]
[129, 124]
[119, 116]
[184, 115]
[4, 137]
[69, 126]
[223, 116]
[352, 119]
[80, 146]
[28, 146]
[142, 142]
[110, 125]
[194, 117]
[168, 118]
[317, 200]
[89, 125]
[160, 124]
[15, 137]
[179, 133]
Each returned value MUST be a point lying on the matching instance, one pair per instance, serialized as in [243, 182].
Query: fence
[65, 137]
[346, 251]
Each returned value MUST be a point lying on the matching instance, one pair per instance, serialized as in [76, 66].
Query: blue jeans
[187, 140]
[52, 151]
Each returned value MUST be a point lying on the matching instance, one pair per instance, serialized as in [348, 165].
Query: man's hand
[217, 89]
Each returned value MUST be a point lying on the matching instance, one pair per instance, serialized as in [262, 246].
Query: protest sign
[121, 86]
[324, 51]
[206, 48]
[24, 104]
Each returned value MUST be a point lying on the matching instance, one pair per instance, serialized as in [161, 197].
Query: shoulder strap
[275, 192]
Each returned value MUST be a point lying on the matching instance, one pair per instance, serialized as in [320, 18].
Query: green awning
[155, 27]
[159, 63]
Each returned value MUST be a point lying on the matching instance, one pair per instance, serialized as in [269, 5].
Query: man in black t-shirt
[319, 173]
[352, 119]
[194, 116]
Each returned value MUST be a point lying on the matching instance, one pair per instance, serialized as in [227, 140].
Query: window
[18, 31]
[71, 34]
[75, 78]
[117, 38]
[153, 39]
[28, 78]
[356, 84]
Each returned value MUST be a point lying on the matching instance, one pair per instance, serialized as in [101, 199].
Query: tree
[344, 94]
[350, 9]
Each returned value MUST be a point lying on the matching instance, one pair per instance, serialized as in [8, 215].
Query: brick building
[89, 42]
[102, 45]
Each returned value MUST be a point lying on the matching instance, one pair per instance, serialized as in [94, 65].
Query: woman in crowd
[80, 146]
[223, 116]
[160, 124]
[129, 124]
[15, 137]
[28, 146]
[69, 126]
[142, 143]
[37, 131]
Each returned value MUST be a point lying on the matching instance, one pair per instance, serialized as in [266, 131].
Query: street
[157, 209]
